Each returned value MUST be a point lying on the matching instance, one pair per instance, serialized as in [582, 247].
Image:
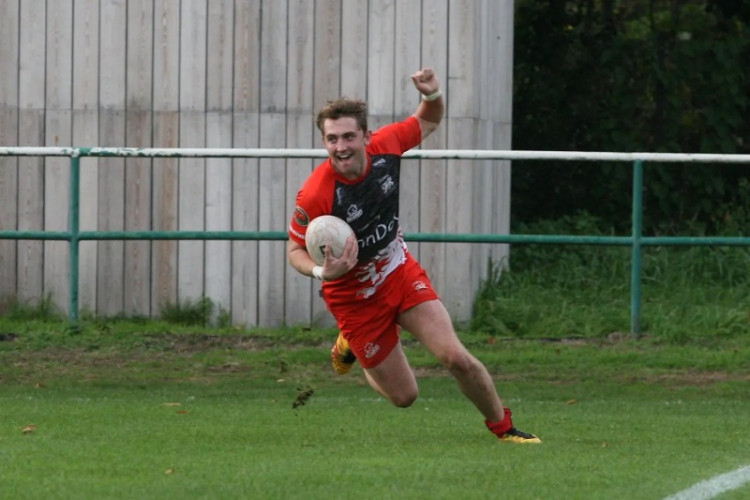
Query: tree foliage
[637, 75]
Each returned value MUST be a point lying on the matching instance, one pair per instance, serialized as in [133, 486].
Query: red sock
[501, 427]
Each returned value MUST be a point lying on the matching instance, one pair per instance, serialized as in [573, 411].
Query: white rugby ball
[326, 230]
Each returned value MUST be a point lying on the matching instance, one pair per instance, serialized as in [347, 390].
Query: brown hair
[343, 107]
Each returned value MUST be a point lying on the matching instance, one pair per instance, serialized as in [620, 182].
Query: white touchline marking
[717, 485]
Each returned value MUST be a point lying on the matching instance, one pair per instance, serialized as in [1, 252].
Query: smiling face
[345, 142]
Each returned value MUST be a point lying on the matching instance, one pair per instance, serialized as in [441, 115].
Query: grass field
[151, 409]
[155, 411]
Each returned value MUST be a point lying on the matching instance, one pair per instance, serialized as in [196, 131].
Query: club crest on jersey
[353, 213]
[300, 216]
[371, 350]
[386, 184]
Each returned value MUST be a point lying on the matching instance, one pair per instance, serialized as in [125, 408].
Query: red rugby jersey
[369, 205]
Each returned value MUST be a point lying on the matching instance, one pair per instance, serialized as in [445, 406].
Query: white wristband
[317, 272]
[432, 96]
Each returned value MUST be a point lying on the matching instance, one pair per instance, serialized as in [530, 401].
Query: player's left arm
[431, 107]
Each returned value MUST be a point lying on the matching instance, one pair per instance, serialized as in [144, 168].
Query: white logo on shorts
[371, 350]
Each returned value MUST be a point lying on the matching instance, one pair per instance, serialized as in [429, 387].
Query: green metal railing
[636, 240]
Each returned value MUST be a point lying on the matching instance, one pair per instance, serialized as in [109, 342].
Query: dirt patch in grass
[196, 356]
[202, 342]
[697, 379]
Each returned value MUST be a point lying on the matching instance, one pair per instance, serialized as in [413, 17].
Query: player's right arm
[299, 259]
[332, 267]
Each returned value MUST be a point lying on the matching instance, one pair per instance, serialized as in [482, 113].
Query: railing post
[636, 250]
[75, 204]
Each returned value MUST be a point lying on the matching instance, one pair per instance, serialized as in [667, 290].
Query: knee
[405, 399]
[460, 362]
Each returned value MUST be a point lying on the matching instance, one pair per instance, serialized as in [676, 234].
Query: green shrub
[584, 290]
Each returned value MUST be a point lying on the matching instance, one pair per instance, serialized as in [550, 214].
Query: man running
[377, 287]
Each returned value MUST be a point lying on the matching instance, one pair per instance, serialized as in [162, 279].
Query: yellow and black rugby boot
[342, 357]
[515, 436]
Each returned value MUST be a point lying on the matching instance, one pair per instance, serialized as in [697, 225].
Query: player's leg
[394, 379]
[372, 336]
[430, 323]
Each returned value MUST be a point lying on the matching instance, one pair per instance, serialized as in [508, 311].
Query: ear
[368, 136]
